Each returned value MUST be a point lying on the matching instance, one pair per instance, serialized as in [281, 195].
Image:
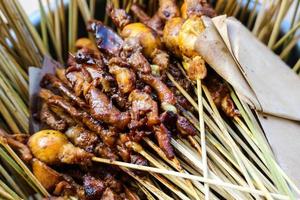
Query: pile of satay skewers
[137, 98]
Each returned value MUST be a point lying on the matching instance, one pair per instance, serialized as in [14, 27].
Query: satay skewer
[188, 176]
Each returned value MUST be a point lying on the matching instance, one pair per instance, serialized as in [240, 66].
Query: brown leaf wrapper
[274, 83]
[35, 76]
[284, 138]
[212, 48]
[257, 73]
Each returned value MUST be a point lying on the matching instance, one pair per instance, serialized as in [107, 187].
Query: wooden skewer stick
[187, 176]
[202, 137]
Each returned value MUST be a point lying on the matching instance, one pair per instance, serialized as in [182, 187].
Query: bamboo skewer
[188, 176]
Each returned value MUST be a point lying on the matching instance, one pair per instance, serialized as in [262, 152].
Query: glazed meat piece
[77, 80]
[102, 109]
[60, 73]
[185, 127]
[22, 149]
[138, 160]
[123, 151]
[53, 147]
[125, 77]
[131, 52]
[165, 95]
[107, 136]
[47, 176]
[113, 183]
[54, 82]
[93, 187]
[82, 138]
[50, 119]
[105, 151]
[170, 34]
[64, 116]
[221, 96]
[163, 136]
[142, 105]
[107, 40]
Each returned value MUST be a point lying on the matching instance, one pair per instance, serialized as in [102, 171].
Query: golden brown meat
[125, 77]
[110, 45]
[82, 138]
[148, 39]
[184, 127]
[142, 105]
[47, 176]
[54, 82]
[131, 52]
[93, 187]
[102, 109]
[221, 96]
[107, 136]
[180, 36]
[49, 118]
[165, 95]
[105, 151]
[53, 147]
[163, 136]
[60, 73]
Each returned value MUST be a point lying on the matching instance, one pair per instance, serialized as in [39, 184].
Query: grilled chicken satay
[53, 147]
[51, 119]
[101, 108]
[147, 37]
[124, 76]
[108, 136]
[221, 95]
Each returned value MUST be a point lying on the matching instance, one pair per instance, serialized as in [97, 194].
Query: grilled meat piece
[50, 119]
[131, 52]
[143, 106]
[119, 16]
[93, 188]
[82, 138]
[107, 40]
[163, 136]
[165, 95]
[184, 127]
[105, 151]
[168, 9]
[47, 176]
[155, 22]
[125, 77]
[53, 147]
[107, 136]
[102, 109]
[54, 82]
